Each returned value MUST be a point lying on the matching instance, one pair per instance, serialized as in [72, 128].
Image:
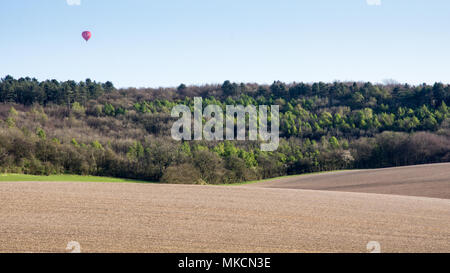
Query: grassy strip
[81, 178]
[64, 178]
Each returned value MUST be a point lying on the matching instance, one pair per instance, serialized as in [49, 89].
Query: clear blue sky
[168, 42]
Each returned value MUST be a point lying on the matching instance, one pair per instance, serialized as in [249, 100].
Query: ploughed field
[431, 180]
[263, 217]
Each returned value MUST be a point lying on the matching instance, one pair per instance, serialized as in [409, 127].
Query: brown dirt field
[117, 217]
[431, 180]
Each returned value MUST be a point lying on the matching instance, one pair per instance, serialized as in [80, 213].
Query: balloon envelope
[86, 35]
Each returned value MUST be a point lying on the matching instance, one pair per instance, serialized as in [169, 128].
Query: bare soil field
[124, 217]
[432, 180]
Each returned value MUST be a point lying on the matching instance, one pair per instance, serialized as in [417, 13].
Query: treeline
[28, 91]
[212, 163]
[98, 130]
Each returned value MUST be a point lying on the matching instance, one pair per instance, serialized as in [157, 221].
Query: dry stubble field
[264, 217]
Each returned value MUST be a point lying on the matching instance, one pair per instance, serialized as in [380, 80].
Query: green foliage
[10, 122]
[334, 143]
[41, 134]
[136, 150]
[74, 142]
[12, 112]
[78, 109]
[109, 110]
[97, 145]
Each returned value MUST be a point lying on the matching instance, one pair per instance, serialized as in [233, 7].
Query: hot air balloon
[86, 35]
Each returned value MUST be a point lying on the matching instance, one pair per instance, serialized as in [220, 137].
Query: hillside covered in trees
[53, 127]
